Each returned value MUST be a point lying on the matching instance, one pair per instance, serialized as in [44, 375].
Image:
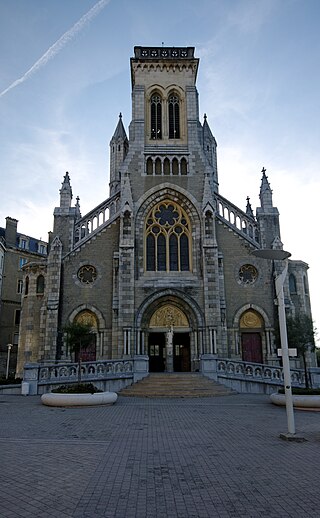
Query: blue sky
[258, 81]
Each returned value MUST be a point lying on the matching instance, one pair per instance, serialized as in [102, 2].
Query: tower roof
[206, 128]
[120, 132]
[265, 191]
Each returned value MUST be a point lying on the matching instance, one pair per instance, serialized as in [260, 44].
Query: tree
[301, 333]
[79, 336]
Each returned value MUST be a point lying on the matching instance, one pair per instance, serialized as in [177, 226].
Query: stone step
[176, 385]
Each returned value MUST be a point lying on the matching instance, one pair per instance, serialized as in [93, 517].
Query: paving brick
[202, 458]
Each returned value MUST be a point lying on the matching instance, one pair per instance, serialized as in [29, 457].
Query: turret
[210, 150]
[249, 211]
[119, 146]
[209, 142]
[65, 194]
[65, 216]
[268, 216]
[265, 192]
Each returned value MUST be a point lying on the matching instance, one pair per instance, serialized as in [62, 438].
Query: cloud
[59, 44]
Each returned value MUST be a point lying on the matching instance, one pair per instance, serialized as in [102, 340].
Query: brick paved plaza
[206, 457]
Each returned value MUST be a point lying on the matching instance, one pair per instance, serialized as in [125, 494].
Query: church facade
[164, 266]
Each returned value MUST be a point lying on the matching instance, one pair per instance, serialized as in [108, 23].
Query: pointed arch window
[174, 117]
[167, 239]
[26, 286]
[156, 117]
[292, 284]
[149, 166]
[40, 285]
[158, 166]
[175, 167]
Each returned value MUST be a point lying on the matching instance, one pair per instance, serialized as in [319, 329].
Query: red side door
[251, 347]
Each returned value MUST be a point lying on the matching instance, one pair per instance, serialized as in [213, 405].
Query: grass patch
[77, 388]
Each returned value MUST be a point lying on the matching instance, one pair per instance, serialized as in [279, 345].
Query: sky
[65, 76]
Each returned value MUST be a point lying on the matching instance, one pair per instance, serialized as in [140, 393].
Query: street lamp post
[281, 255]
[8, 360]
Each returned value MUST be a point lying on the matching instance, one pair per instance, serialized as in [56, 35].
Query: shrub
[77, 388]
[10, 381]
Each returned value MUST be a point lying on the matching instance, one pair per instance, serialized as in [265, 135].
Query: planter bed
[99, 398]
[301, 401]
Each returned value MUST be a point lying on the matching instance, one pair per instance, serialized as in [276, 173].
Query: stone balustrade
[89, 371]
[97, 218]
[258, 372]
[113, 375]
[105, 374]
[237, 220]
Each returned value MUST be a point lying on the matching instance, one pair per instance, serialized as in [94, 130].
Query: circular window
[248, 274]
[87, 274]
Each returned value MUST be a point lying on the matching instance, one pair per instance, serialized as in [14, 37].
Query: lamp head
[270, 253]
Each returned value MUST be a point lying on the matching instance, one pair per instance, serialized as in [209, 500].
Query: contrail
[59, 44]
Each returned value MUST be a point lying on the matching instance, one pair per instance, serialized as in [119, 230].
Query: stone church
[163, 267]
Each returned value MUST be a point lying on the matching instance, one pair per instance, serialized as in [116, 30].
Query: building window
[292, 284]
[22, 261]
[20, 286]
[26, 286]
[175, 167]
[87, 274]
[248, 274]
[24, 243]
[166, 166]
[167, 239]
[17, 314]
[149, 166]
[42, 249]
[40, 285]
[158, 166]
[156, 116]
[183, 165]
[174, 117]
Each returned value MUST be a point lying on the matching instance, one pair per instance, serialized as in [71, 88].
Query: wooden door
[87, 353]
[156, 351]
[181, 352]
[251, 347]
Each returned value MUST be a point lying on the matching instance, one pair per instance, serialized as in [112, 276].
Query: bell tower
[164, 94]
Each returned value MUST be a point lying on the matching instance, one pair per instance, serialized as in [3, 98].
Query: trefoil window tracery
[87, 274]
[167, 238]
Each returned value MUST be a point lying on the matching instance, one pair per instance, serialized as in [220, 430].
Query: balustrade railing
[257, 372]
[237, 219]
[96, 218]
[98, 370]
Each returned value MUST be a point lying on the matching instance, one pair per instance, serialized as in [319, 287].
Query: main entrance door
[156, 352]
[181, 352]
[251, 347]
[169, 340]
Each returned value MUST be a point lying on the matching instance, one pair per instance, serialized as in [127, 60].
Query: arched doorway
[87, 352]
[169, 340]
[251, 327]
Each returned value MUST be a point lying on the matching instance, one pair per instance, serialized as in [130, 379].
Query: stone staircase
[183, 385]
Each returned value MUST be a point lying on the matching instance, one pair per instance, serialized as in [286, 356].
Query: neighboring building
[15, 250]
[163, 267]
